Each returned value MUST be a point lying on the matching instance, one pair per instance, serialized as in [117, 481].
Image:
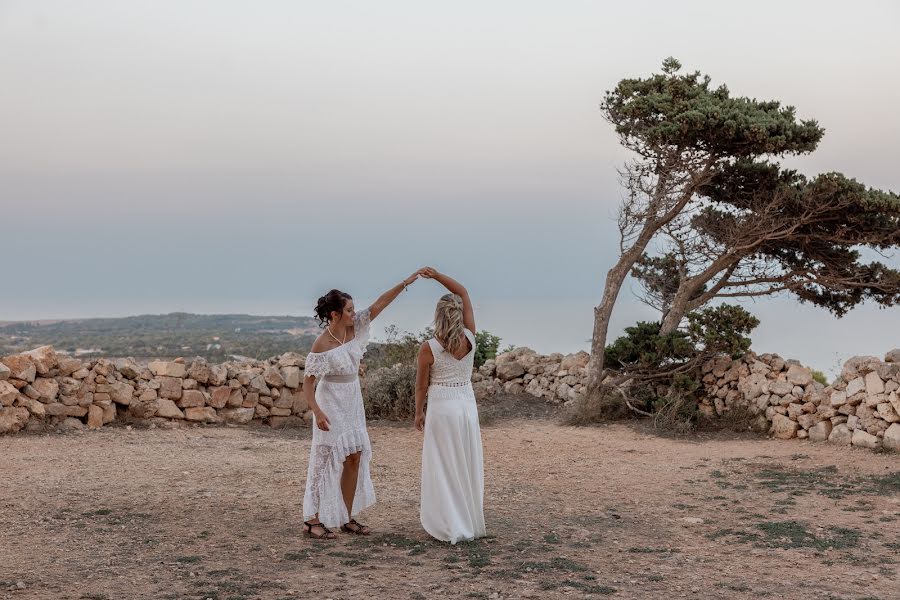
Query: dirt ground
[214, 512]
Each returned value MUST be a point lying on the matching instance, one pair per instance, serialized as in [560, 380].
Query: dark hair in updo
[333, 301]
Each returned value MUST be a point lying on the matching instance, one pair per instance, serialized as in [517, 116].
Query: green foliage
[664, 368]
[643, 346]
[821, 223]
[486, 345]
[722, 329]
[682, 111]
[402, 347]
[390, 392]
[820, 377]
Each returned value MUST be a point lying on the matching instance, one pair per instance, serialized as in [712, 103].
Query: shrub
[659, 374]
[820, 377]
[390, 392]
[486, 345]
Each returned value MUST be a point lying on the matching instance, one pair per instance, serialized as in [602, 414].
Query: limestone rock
[218, 375]
[893, 356]
[891, 439]
[858, 365]
[71, 424]
[258, 385]
[36, 408]
[20, 367]
[8, 393]
[887, 412]
[855, 386]
[273, 377]
[865, 440]
[841, 435]
[13, 418]
[202, 414]
[219, 396]
[820, 431]
[128, 368]
[162, 368]
[168, 410]
[783, 428]
[76, 411]
[200, 371]
[44, 359]
[143, 409]
[507, 371]
[192, 399]
[797, 375]
[237, 416]
[807, 421]
[291, 376]
[121, 392]
[47, 388]
[874, 384]
[95, 417]
[4, 372]
[170, 387]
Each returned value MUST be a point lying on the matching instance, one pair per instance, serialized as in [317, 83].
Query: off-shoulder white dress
[339, 396]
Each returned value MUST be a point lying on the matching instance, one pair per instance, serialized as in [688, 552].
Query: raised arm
[389, 296]
[454, 287]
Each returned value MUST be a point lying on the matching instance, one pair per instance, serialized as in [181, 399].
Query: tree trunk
[602, 314]
[675, 314]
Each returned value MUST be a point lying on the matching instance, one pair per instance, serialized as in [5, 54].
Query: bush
[820, 377]
[662, 371]
[390, 392]
[486, 345]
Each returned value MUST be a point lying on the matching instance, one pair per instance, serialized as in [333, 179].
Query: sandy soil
[571, 512]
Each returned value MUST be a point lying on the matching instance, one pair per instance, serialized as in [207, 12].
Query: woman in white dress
[338, 484]
[452, 496]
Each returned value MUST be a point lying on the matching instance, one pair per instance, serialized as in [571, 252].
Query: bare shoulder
[321, 344]
[425, 352]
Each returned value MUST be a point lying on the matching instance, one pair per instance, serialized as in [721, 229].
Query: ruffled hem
[323, 494]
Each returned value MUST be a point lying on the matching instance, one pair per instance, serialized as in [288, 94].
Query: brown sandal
[326, 534]
[360, 528]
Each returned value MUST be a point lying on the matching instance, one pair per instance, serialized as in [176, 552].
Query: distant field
[214, 337]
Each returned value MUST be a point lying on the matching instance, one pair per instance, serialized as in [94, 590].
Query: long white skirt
[452, 500]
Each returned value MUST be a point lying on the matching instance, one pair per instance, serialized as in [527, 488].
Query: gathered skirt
[452, 492]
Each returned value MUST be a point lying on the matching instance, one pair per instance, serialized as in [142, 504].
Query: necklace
[341, 342]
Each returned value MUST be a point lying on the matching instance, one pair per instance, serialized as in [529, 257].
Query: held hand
[420, 421]
[428, 272]
[322, 421]
[412, 278]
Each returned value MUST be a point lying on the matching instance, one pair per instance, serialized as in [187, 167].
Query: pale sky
[223, 156]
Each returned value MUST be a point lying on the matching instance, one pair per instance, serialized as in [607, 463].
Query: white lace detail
[343, 404]
[362, 325]
[447, 370]
[316, 364]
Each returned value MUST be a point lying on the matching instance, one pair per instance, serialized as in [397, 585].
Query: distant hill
[214, 337]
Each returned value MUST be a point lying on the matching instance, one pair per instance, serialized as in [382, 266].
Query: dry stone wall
[43, 390]
[861, 408]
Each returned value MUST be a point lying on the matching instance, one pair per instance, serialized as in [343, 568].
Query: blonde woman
[338, 484]
[452, 494]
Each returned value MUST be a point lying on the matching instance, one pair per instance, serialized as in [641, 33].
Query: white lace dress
[339, 396]
[452, 494]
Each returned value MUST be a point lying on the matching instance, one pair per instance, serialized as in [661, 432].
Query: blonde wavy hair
[448, 323]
